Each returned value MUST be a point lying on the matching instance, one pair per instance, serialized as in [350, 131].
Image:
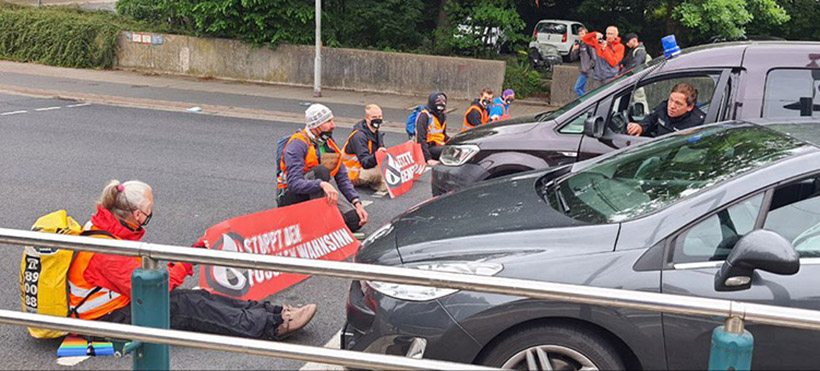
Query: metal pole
[222, 343]
[317, 63]
[149, 308]
[732, 346]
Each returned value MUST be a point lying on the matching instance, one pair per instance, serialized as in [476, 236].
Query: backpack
[44, 272]
[410, 126]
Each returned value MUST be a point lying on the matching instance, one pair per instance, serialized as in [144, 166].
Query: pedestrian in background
[609, 52]
[637, 52]
[431, 128]
[586, 54]
[500, 110]
[311, 160]
[478, 112]
[359, 152]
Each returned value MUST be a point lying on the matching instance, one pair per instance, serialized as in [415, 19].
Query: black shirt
[659, 123]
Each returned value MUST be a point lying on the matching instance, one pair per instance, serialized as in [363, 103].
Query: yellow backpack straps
[44, 272]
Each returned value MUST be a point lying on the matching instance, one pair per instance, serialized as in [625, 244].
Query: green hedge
[526, 81]
[61, 36]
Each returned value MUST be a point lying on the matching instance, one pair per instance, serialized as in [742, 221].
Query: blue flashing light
[670, 47]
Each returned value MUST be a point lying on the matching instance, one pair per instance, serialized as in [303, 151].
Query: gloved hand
[189, 268]
[200, 243]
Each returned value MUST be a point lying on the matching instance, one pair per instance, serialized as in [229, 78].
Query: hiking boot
[294, 318]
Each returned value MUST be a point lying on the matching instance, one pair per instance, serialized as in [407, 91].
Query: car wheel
[553, 347]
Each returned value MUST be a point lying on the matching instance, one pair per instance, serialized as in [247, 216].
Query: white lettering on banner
[313, 249]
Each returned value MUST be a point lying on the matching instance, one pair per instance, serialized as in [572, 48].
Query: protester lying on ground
[586, 54]
[676, 113]
[359, 152]
[431, 127]
[100, 284]
[500, 109]
[478, 113]
[609, 52]
[311, 160]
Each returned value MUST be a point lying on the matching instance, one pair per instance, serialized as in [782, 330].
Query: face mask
[485, 103]
[376, 123]
[509, 101]
[440, 107]
[325, 136]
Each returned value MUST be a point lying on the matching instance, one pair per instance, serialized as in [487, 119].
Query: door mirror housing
[760, 249]
[594, 127]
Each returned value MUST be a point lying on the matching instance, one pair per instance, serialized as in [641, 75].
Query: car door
[694, 255]
[634, 103]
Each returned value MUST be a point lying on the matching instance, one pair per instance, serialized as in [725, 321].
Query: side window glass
[795, 215]
[651, 96]
[576, 125]
[575, 28]
[792, 93]
[714, 237]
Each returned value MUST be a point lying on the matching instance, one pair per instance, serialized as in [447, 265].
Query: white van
[559, 33]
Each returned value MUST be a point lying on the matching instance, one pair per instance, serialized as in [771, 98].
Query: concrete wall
[350, 69]
[563, 83]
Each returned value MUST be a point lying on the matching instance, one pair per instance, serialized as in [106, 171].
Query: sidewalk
[217, 97]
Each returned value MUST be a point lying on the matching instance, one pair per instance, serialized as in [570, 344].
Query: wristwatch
[356, 201]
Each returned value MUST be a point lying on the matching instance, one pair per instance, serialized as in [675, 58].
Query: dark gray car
[659, 217]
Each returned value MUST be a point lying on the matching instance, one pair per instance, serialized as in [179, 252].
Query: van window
[792, 93]
[576, 27]
[552, 28]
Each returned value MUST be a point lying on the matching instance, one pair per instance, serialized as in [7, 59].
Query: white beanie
[316, 115]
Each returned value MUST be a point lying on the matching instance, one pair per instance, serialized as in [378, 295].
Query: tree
[479, 27]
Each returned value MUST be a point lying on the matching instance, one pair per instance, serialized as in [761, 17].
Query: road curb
[163, 105]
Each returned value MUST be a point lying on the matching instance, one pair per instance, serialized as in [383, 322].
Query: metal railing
[649, 301]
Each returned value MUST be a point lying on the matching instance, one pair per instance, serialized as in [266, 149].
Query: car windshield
[552, 115]
[649, 177]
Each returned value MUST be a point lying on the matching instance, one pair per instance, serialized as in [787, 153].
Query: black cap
[629, 36]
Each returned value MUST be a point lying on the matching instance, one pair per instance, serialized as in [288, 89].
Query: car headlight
[379, 233]
[457, 155]
[425, 293]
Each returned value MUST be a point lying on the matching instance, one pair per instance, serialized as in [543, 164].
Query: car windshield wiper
[562, 203]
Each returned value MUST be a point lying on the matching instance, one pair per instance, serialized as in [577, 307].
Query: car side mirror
[594, 127]
[637, 110]
[760, 249]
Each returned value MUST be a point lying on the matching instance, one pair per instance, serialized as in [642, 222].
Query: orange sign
[308, 230]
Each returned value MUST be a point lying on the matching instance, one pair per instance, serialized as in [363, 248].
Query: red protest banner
[400, 166]
[308, 230]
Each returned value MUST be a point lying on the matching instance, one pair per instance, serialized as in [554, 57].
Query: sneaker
[294, 318]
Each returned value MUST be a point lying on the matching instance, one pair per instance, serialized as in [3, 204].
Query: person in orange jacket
[479, 111]
[100, 284]
[609, 52]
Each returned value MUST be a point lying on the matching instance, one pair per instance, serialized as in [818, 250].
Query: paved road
[204, 169]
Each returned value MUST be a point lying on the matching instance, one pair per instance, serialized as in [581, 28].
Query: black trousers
[201, 311]
[349, 214]
[435, 151]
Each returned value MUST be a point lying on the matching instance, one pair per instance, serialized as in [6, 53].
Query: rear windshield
[552, 28]
[650, 177]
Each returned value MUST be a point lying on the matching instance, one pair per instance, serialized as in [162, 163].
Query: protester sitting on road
[309, 161]
[636, 55]
[500, 110]
[431, 127]
[359, 152]
[676, 113]
[583, 52]
[100, 284]
[478, 112]
[609, 52]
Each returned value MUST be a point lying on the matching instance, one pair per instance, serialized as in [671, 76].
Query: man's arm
[648, 123]
[575, 53]
[421, 134]
[294, 155]
[359, 143]
[474, 118]
[591, 39]
[345, 185]
[638, 58]
[613, 54]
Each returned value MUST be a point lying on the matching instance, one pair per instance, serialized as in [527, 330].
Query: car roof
[559, 20]
[728, 54]
[804, 129]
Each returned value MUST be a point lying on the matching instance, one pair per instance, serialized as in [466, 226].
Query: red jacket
[613, 53]
[113, 272]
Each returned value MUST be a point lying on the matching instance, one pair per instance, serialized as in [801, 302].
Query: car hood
[495, 130]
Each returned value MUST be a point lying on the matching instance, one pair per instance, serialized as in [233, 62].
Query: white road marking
[365, 203]
[12, 113]
[334, 344]
[47, 109]
[71, 361]
[78, 105]
[379, 194]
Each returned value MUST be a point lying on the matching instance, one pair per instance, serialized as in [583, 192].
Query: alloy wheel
[549, 357]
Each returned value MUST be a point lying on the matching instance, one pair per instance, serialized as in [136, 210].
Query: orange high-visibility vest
[435, 128]
[311, 160]
[351, 161]
[98, 304]
[484, 117]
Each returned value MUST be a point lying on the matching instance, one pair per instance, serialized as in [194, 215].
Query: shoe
[294, 318]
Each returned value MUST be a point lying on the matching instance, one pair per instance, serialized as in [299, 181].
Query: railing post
[731, 346]
[149, 308]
